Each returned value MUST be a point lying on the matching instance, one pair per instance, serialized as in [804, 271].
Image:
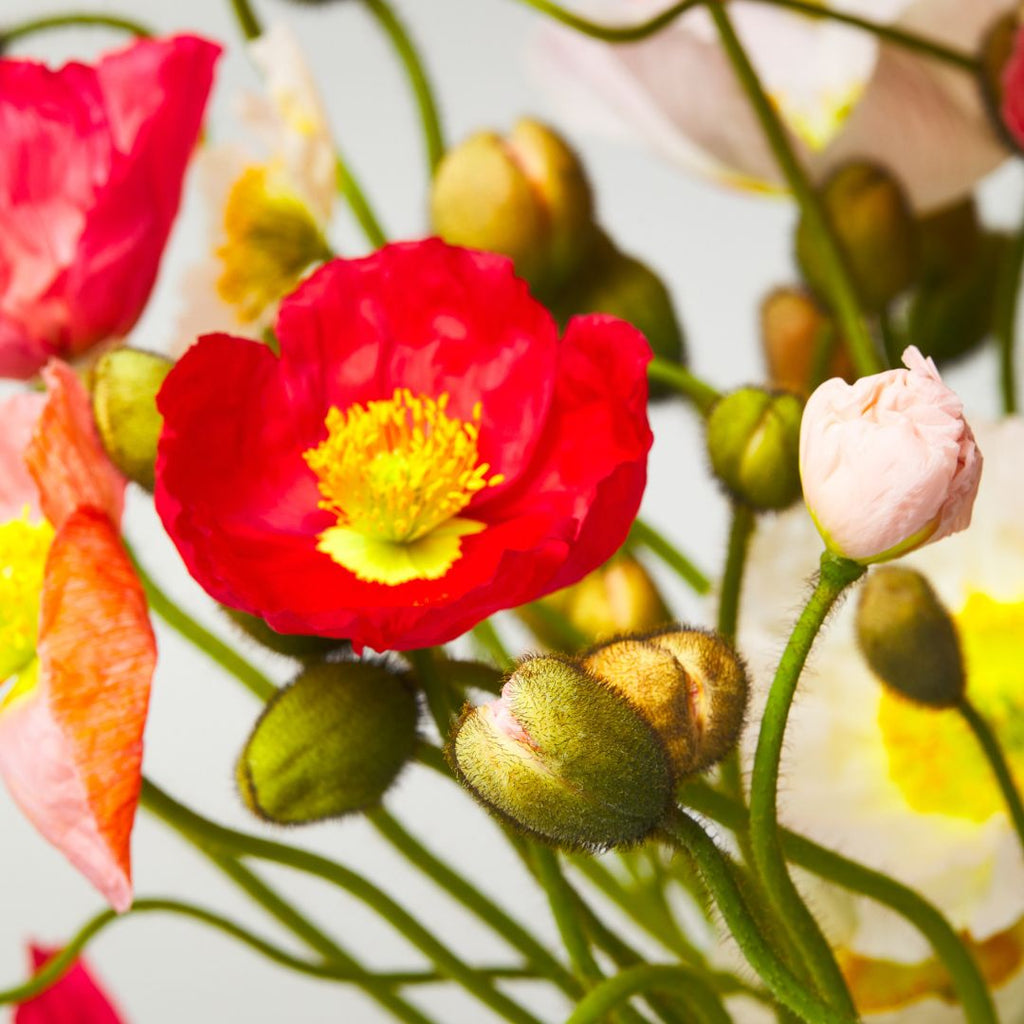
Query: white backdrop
[719, 251]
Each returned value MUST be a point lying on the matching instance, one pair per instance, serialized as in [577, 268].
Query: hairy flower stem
[997, 761]
[743, 523]
[842, 292]
[967, 980]
[682, 831]
[703, 395]
[835, 576]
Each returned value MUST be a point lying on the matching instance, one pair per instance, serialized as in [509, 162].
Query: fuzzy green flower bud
[564, 756]
[292, 645]
[526, 196]
[876, 230]
[909, 639]
[753, 439]
[330, 744]
[124, 384]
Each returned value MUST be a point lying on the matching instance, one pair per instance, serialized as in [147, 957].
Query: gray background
[719, 251]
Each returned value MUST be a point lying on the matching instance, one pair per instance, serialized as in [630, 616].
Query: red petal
[74, 999]
[19, 415]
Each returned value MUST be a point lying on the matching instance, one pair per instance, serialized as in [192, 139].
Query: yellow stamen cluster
[24, 546]
[396, 473]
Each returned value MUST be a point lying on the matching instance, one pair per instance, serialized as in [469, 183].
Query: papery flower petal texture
[75, 999]
[888, 463]
[845, 97]
[83, 657]
[449, 348]
[90, 180]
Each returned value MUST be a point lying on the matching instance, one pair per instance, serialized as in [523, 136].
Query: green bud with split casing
[292, 645]
[526, 196]
[753, 440]
[565, 757]
[329, 744]
[876, 231]
[908, 638]
[124, 385]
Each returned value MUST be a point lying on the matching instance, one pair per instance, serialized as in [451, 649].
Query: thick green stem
[967, 980]
[643, 533]
[473, 900]
[187, 627]
[703, 396]
[406, 52]
[837, 279]
[836, 574]
[682, 831]
[214, 837]
[1005, 318]
[246, 18]
[86, 19]
[997, 761]
[441, 699]
[643, 29]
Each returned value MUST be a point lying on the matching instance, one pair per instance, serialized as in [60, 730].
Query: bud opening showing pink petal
[888, 463]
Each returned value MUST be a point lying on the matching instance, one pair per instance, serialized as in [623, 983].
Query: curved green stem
[474, 900]
[353, 194]
[1005, 318]
[681, 830]
[703, 395]
[997, 761]
[246, 18]
[643, 533]
[967, 980]
[838, 282]
[643, 29]
[836, 574]
[71, 20]
[214, 837]
[406, 52]
[183, 624]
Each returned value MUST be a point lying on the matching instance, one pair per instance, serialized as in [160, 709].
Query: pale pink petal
[18, 416]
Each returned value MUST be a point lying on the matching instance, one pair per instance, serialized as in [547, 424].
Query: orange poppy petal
[71, 747]
[65, 456]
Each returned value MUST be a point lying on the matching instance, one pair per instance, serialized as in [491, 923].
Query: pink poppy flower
[75, 999]
[1013, 90]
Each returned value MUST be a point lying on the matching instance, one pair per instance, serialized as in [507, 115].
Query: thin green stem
[997, 761]
[441, 699]
[967, 980]
[407, 53]
[742, 529]
[473, 900]
[183, 624]
[559, 628]
[682, 831]
[643, 29]
[826, 340]
[1005, 318]
[228, 841]
[643, 533]
[836, 574]
[838, 281]
[353, 194]
[246, 18]
[486, 635]
[662, 371]
[71, 20]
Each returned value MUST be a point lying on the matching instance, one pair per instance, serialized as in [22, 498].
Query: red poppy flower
[90, 177]
[75, 999]
[1013, 90]
[423, 453]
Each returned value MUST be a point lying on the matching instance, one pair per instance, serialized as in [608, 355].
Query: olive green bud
[996, 50]
[908, 638]
[951, 315]
[565, 757]
[611, 282]
[526, 196]
[753, 439]
[949, 239]
[792, 327]
[876, 230]
[292, 645]
[619, 597]
[124, 385]
[329, 744]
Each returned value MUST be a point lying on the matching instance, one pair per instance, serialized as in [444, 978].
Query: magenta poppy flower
[75, 999]
[91, 169]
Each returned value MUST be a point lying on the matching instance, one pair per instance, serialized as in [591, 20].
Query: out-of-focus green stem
[72, 19]
[246, 18]
[703, 396]
[643, 533]
[1005, 318]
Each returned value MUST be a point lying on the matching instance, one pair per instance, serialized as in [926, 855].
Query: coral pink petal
[18, 416]
[71, 748]
[75, 999]
[65, 455]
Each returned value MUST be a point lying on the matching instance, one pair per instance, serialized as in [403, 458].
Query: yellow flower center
[396, 473]
[23, 549]
[272, 237]
[933, 756]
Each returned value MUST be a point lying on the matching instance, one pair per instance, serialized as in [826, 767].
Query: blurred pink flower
[1013, 90]
[841, 93]
[90, 179]
[888, 463]
[74, 999]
